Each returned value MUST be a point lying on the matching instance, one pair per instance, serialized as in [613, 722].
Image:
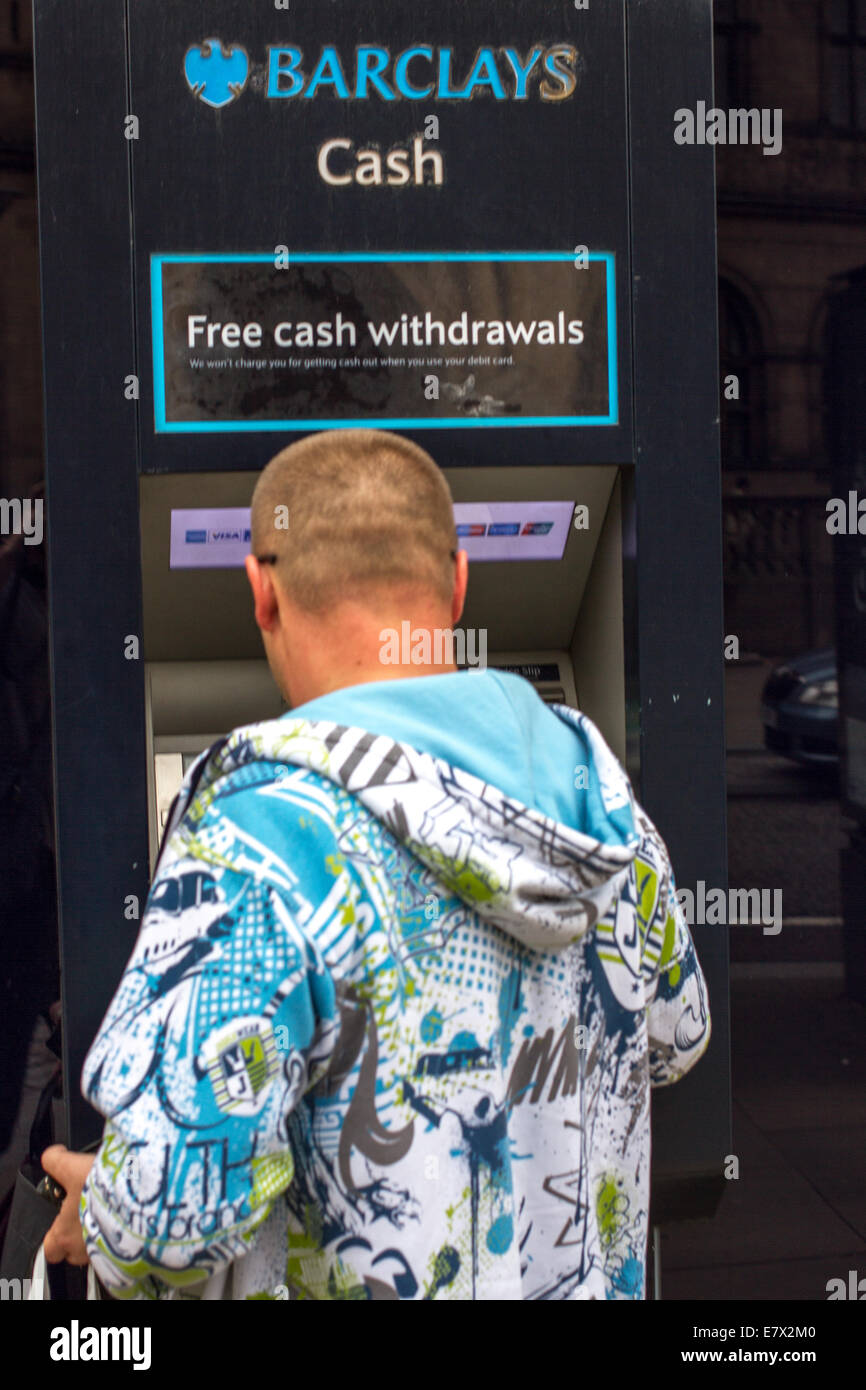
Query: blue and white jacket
[411, 962]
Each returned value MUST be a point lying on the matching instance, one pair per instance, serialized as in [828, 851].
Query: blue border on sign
[164, 426]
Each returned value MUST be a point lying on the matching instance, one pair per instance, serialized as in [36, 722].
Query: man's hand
[65, 1240]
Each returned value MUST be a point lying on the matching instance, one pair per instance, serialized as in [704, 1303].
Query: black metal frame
[679, 551]
[92, 493]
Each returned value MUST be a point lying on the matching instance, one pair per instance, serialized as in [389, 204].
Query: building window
[741, 355]
[845, 63]
[731, 33]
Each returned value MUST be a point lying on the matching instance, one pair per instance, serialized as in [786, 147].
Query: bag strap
[42, 1128]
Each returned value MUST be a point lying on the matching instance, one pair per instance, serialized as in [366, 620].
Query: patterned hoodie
[403, 982]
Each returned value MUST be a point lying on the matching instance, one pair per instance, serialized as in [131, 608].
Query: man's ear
[461, 579]
[264, 593]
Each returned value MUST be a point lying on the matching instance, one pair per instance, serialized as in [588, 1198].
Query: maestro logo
[216, 74]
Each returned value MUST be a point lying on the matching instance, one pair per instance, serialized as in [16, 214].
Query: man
[411, 959]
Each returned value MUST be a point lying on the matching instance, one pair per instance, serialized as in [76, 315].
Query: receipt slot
[477, 229]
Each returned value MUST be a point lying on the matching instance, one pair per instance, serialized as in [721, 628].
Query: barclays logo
[549, 72]
[216, 75]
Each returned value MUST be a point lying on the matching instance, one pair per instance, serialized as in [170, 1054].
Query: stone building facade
[788, 224]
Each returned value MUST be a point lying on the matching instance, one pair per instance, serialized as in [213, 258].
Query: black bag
[32, 1214]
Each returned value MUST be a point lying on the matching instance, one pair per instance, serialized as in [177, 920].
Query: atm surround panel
[242, 692]
[560, 621]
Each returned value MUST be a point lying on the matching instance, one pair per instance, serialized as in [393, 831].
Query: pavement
[795, 1217]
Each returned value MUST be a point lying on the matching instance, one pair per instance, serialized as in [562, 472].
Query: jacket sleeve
[678, 1019]
[225, 1015]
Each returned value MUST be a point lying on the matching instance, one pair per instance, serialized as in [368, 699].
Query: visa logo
[232, 533]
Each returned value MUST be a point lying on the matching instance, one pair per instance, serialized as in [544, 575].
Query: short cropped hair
[367, 511]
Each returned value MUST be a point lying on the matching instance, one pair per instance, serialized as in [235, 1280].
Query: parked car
[800, 709]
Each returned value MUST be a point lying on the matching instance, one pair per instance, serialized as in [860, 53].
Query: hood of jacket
[544, 878]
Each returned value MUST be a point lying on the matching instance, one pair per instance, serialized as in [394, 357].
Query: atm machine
[511, 163]
[556, 621]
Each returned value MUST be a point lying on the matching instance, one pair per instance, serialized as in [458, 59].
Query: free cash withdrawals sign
[379, 338]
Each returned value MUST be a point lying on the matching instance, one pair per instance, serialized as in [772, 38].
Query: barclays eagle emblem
[216, 74]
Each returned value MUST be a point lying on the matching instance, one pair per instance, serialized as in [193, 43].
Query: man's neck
[303, 690]
[357, 647]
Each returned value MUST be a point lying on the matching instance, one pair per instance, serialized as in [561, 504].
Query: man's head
[352, 532]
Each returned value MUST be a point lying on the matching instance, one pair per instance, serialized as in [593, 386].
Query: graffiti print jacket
[410, 964]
